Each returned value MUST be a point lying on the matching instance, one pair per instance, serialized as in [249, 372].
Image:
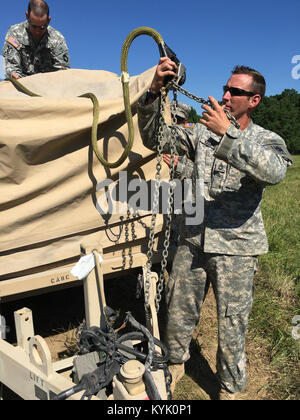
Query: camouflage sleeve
[148, 121]
[60, 55]
[184, 168]
[12, 57]
[259, 153]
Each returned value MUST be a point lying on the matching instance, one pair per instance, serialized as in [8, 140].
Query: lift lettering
[36, 379]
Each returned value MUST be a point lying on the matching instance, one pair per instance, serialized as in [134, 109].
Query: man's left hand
[215, 118]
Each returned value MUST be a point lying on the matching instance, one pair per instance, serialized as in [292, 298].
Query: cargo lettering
[59, 279]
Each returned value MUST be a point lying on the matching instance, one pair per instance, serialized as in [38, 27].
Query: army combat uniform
[25, 56]
[221, 250]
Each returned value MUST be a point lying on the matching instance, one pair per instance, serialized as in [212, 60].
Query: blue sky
[210, 38]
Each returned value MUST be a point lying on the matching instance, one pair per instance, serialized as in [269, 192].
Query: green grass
[278, 286]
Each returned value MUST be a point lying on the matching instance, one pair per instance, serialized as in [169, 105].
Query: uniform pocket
[235, 308]
[217, 178]
[233, 179]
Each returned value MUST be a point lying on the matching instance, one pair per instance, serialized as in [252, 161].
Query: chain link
[168, 224]
[155, 197]
[174, 86]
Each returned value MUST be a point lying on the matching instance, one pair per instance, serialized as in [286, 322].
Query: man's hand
[166, 67]
[15, 76]
[215, 118]
[167, 160]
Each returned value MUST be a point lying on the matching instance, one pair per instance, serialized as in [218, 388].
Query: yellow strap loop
[143, 30]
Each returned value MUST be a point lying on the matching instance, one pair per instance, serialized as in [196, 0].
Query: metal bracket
[94, 305]
[150, 308]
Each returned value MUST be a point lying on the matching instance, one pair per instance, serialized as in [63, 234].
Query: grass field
[278, 286]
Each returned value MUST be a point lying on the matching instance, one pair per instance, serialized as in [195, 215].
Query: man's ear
[49, 19]
[27, 15]
[255, 100]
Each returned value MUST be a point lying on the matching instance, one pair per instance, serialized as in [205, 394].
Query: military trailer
[59, 204]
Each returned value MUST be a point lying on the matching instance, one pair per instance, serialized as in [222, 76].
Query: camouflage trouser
[231, 277]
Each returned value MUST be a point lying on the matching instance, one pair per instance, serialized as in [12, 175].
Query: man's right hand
[15, 76]
[166, 67]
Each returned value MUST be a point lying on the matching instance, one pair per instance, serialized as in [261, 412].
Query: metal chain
[174, 86]
[155, 196]
[117, 235]
[165, 252]
[168, 380]
[168, 224]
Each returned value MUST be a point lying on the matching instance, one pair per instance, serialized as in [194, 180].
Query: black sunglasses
[234, 91]
[42, 28]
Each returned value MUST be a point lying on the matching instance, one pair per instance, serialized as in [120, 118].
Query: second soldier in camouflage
[34, 46]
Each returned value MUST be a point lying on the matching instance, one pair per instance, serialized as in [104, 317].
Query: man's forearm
[12, 67]
[261, 160]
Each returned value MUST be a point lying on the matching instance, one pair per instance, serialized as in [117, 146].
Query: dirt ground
[57, 314]
[199, 381]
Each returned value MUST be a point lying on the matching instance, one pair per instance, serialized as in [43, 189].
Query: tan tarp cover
[49, 173]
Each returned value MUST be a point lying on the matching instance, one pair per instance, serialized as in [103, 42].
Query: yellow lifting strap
[143, 30]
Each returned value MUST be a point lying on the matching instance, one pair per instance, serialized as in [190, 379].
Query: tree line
[278, 113]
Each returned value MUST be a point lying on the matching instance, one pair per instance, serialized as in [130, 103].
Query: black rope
[105, 340]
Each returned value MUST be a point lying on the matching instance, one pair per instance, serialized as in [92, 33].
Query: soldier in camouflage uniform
[33, 46]
[182, 113]
[232, 166]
